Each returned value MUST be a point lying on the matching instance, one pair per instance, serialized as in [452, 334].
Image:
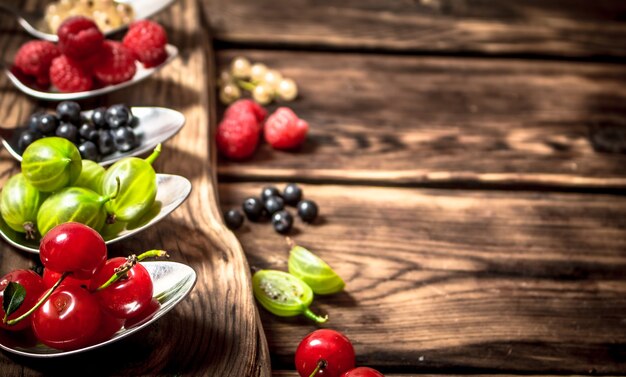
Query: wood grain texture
[453, 281]
[445, 121]
[574, 28]
[216, 330]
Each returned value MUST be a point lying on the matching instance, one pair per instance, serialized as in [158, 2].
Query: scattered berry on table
[363, 372]
[253, 208]
[269, 191]
[237, 139]
[328, 349]
[307, 210]
[79, 37]
[282, 221]
[116, 65]
[35, 57]
[69, 111]
[240, 67]
[233, 218]
[292, 194]
[118, 116]
[247, 106]
[287, 90]
[147, 40]
[274, 204]
[229, 93]
[69, 76]
[284, 130]
[263, 93]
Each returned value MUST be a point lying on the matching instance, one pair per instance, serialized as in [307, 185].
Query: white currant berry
[287, 89]
[263, 93]
[257, 72]
[273, 78]
[225, 78]
[229, 93]
[240, 67]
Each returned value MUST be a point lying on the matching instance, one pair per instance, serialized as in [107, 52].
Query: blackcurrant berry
[269, 191]
[88, 132]
[274, 204]
[26, 138]
[33, 122]
[88, 151]
[69, 111]
[105, 142]
[292, 194]
[118, 116]
[98, 117]
[282, 221]
[307, 210]
[124, 139]
[253, 208]
[48, 124]
[68, 131]
[233, 219]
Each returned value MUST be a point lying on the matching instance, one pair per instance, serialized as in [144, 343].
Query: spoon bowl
[172, 283]
[141, 74]
[171, 192]
[34, 25]
[156, 125]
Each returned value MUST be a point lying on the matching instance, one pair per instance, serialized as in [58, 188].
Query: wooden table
[467, 158]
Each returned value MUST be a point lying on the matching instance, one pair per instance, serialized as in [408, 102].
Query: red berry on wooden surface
[284, 130]
[328, 351]
[237, 139]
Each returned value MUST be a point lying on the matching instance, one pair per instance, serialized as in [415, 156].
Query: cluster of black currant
[272, 203]
[104, 131]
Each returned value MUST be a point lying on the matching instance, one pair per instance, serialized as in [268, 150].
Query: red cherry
[363, 372]
[51, 277]
[73, 247]
[149, 311]
[330, 348]
[34, 287]
[128, 296]
[68, 320]
[109, 325]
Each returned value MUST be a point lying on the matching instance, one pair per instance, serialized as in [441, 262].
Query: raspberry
[79, 37]
[69, 76]
[147, 40]
[34, 58]
[247, 106]
[237, 139]
[284, 130]
[116, 65]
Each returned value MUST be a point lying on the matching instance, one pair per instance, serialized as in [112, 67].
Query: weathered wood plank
[216, 331]
[420, 120]
[575, 28]
[449, 280]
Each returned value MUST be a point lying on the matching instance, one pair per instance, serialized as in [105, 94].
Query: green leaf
[14, 295]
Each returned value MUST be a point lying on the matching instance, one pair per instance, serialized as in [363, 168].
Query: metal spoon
[156, 125]
[171, 192]
[33, 22]
[172, 282]
[141, 74]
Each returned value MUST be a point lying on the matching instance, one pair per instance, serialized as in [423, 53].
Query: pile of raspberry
[239, 132]
[84, 60]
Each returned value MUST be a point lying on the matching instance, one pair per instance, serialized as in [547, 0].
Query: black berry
[98, 118]
[88, 132]
[269, 191]
[33, 122]
[124, 139]
[68, 131]
[292, 194]
[253, 208]
[105, 142]
[274, 204]
[118, 116]
[26, 138]
[282, 221]
[233, 219]
[307, 210]
[88, 151]
[48, 124]
[69, 111]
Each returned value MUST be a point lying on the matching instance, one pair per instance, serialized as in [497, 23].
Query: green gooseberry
[76, 204]
[138, 186]
[314, 271]
[90, 176]
[283, 294]
[51, 163]
[19, 204]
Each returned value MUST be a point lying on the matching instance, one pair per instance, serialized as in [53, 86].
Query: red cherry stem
[131, 261]
[312, 316]
[39, 303]
[320, 365]
[157, 151]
